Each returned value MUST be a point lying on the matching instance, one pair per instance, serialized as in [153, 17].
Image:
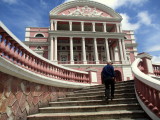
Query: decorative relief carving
[85, 11]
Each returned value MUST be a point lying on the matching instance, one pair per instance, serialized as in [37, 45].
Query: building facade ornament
[85, 11]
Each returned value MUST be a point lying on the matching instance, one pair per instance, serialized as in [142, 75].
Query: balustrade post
[6, 51]
[14, 54]
[147, 63]
[2, 45]
[92, 76]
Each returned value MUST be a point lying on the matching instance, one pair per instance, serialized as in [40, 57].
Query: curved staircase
[88, 104]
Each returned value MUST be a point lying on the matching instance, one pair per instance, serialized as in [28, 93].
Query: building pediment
[84, 8]
[85, 11]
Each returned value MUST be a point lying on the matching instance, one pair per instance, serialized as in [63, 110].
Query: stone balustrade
[14, 51]
[147, 88]
[156, 69]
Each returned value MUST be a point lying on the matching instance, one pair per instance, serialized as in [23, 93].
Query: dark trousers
[109, 82]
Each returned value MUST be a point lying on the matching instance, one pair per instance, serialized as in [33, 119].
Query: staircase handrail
[147, 91]
[17, 55]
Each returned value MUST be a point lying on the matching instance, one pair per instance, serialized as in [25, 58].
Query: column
[124, 50]
[104, 27]
[96, 51]
[112, 54]
[82, 26]
[117, 27]
[51, 27]
[51, 48]
[93, 27]
[55, 49]
[84, 51]
[71, 51]
[70, 25]
[120, 27]
[55, 25]
[107, 50]
[120, 49]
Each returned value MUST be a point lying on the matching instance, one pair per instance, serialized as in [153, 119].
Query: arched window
[39, 47]
[39, 35]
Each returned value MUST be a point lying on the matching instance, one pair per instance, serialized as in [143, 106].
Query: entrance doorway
[118, 77]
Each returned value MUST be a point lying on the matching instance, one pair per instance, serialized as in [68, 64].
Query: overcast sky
[142, 16]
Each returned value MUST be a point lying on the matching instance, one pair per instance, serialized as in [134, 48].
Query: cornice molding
[131, 44]
[67, 17]
[35, 43]
[86, 34]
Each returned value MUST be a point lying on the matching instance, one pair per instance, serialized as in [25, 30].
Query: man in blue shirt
[108, 76]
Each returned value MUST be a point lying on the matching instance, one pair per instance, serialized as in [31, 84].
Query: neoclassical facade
[85, 34]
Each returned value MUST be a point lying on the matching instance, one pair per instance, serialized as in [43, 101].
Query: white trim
[27, 34]
[17, 71]
[84, 21]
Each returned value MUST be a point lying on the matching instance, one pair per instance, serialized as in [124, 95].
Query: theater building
[85, 34]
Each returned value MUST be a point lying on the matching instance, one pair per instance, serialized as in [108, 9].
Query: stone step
[117, 91]
[102, 88]
[116, 84]
[98, 93]
[93, 102]
[94, 108]
[95, 96]
[85, 91]
[103, 115]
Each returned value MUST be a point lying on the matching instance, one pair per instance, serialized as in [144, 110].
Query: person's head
[109, 63]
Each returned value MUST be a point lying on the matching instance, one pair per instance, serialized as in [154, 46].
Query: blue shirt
[108, 71]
